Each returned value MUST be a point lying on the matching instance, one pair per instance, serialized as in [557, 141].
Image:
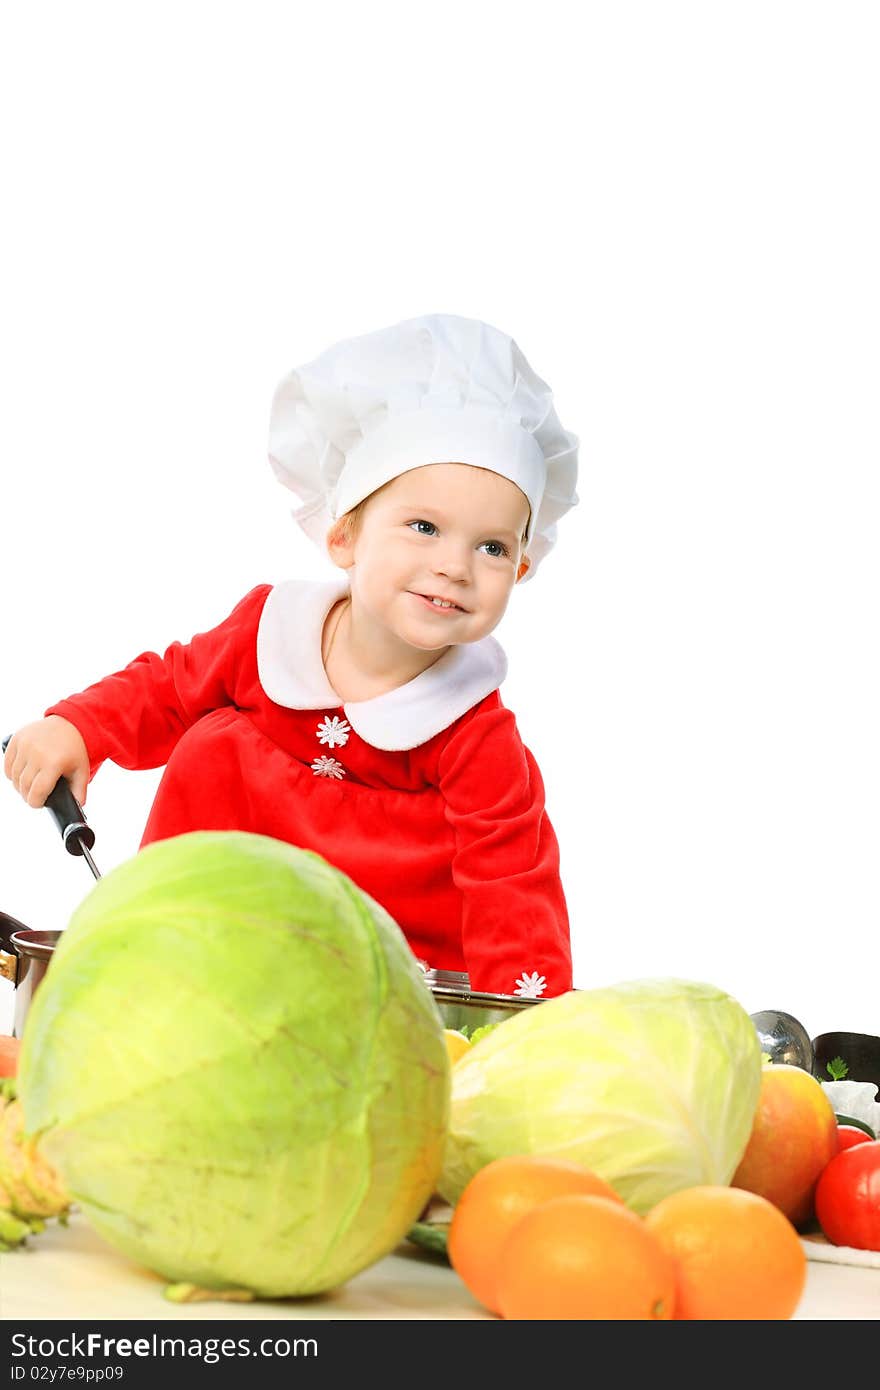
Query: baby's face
[437, 553]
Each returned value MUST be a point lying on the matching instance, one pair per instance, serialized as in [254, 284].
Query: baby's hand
[42, 752]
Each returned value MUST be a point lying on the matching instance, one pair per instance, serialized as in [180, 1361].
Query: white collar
[292, 672]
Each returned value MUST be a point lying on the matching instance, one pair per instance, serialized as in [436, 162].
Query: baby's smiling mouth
[437, 601]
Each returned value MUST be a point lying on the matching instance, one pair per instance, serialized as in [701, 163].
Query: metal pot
[25, 956]
[24, 959]
[460, 1005]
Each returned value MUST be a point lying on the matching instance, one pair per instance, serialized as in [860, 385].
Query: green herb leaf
[836, 1068]
[483, 1032]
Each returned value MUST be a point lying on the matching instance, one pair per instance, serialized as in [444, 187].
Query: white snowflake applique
[530, 986]
[327, 767]
[334, 731]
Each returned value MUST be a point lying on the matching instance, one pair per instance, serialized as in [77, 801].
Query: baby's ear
[340, 543]
[525, 565]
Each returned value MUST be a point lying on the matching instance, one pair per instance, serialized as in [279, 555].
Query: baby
[360, 716]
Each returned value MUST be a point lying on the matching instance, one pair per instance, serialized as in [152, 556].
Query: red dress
[425, 796]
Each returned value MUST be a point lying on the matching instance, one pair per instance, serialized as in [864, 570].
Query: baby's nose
[454, 562]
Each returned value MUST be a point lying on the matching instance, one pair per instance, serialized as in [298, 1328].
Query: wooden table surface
[70, 1273]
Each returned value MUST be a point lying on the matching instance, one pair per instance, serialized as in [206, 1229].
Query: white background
[674, 210]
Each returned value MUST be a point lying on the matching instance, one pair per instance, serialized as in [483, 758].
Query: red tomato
[848, 1197]
[847, 1135]
[9, 1050]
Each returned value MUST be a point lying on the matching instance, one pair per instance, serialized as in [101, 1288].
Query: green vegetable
[483, 1031]
[430, 1235]
[651, 1084]
[472, 1034]
[836, 1068]
[236, 1067]
[856, 1124]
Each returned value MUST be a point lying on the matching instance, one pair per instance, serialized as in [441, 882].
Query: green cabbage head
[651, 1084]
[236, 1067]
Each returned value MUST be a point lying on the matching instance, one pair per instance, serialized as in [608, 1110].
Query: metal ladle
[784, 1038]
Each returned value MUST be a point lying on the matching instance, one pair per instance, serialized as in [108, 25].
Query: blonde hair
[345, 527]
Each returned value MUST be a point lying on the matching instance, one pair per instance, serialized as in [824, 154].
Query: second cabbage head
[652, 1084]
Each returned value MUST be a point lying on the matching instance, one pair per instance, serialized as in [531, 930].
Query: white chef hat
[435, 389]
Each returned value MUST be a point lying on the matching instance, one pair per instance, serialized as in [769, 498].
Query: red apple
[794, 1135]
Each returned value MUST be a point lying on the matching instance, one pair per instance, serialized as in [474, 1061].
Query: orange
[738, 1257]
[585, 1258]
[495, 1199]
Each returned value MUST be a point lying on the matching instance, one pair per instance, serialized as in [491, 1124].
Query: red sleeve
[135, 716]
[515, 931]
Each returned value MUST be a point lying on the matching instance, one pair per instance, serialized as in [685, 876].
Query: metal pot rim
[38, 944]
[454, 987]
[450, 995]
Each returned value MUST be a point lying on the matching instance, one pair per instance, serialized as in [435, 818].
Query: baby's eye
[497, 549]
[424, 528]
